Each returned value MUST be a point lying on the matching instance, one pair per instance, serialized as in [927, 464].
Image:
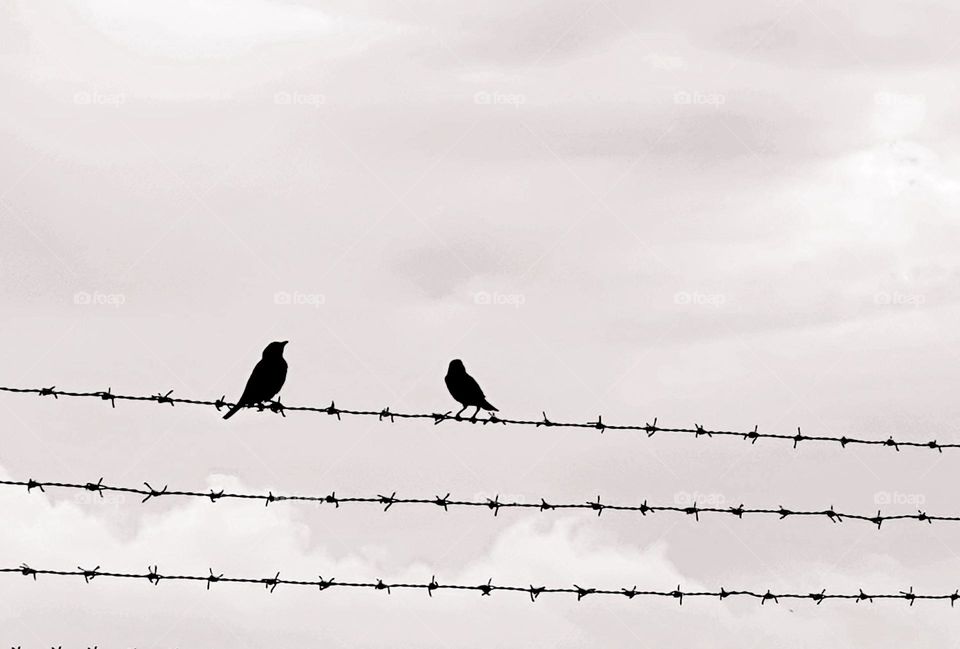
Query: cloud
[191, 29]
[175, 51]
[245, 540]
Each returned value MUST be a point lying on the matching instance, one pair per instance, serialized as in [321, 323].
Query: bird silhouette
[266, 379]
[465, 389]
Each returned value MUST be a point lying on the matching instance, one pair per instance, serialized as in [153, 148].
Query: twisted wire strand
[385, 414]
[494, 504]
[270, 583]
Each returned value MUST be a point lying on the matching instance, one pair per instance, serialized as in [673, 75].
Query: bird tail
[232, 411]
[486, 405]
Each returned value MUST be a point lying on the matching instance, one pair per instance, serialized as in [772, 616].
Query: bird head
[456, 366]
[275, 349]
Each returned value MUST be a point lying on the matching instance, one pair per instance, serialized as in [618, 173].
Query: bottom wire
[155, 577]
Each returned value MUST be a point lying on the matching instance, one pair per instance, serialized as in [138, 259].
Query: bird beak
[284, 343]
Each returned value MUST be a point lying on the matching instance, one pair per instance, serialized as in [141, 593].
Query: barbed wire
[385, 414]
[493, 504]
[270, 583]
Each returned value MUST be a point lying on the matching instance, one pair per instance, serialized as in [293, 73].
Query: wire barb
[277, 407]
[213, 578]
[88, 575]
[389, 501]
[798, 438]
[596, 506]
[324, 584]
[270, 583]
[583, 592]
[678, 594]
[107, 396]
[153, 492]
[909, 596]
[27, 571]
[98, 487]
[332, 410]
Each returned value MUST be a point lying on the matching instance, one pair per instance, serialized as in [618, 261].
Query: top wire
[385, 414]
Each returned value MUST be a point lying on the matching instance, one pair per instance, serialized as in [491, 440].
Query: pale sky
[728, 215]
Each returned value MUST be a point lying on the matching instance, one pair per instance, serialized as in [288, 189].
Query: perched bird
[465, 389]
[266, 379]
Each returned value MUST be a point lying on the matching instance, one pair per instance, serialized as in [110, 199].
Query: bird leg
[476, 412]
[457, 416]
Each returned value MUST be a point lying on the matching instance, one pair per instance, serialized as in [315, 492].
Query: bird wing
[472, 388]
[254, 385]
[464, 389]
[265, 381]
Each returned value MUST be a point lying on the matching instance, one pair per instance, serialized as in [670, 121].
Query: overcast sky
[728, 215]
